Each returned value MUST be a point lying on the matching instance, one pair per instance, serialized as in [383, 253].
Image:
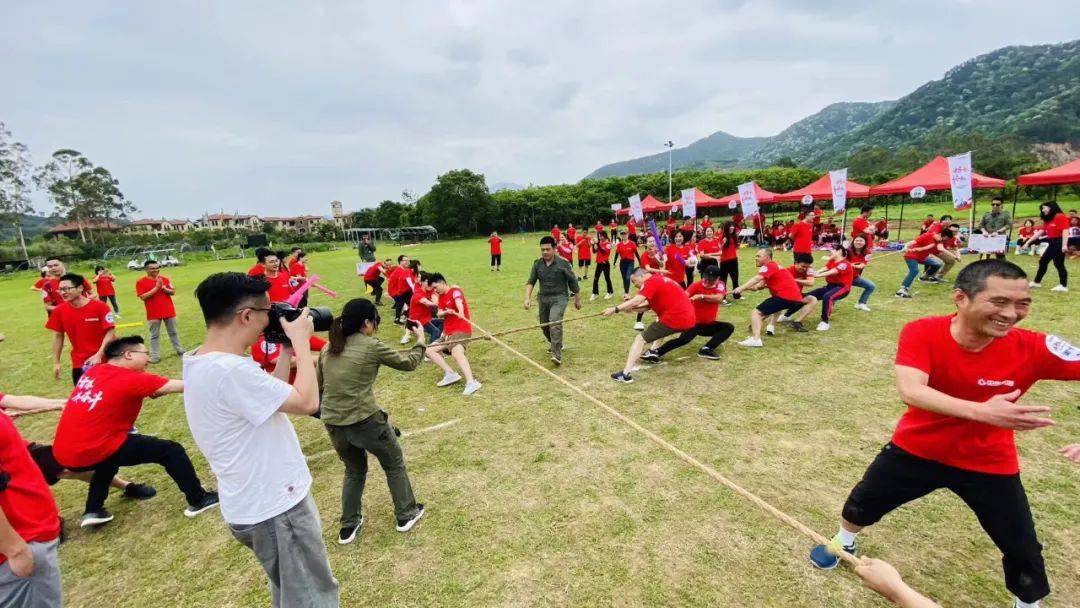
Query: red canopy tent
[932, 176]
[700, 200]
[764, 197]
[1068, 173]
[821, 190]
[649, 204]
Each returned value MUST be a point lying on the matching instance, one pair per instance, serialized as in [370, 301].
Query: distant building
[71, 229]
[158, 226]
[221, 221]
[300, 223]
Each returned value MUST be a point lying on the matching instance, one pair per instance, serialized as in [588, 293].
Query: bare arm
[99, 356]
[25, 403]
[57, 350]
[304, 398]
[999, 410]
[755, 282]
[284, 364]
[171, 387]
[15, 548]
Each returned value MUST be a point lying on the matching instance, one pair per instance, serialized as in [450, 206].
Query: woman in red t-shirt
[838, 274]
[708, 250]
[1055, 224]
[1025, 240]
[495, 247]
[602, 248]
[103, 285]
[859, 256]
[729, 256]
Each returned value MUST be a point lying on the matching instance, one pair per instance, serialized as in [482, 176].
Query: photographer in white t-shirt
[238, 418]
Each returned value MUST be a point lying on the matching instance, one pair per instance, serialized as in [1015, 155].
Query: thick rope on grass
[704, 468]
[536, 326]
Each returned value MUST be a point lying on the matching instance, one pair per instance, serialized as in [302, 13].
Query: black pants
[730, 268]
[689, 276]
[143, 449]
[897, 477]
[603, 268]
[112, 299]
[1054, 254]
[76, 373]
[376, 288]
[400, 302]
[718, 331]
[626, 268]
[496, 259]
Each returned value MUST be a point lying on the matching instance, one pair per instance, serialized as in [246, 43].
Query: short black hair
[73, 278]
[98, 268]
[998, 199]
[401, 257]
[866, 208]
[263, 252]
[148, 262]
[295, 249]
[221, 293]
[711, 273]
[119, 346]
[436, 277]
[943, 218]
[972, 279]
[547, 240]
[804, 258]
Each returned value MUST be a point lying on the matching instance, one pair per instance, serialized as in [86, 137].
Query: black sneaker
[903, 293]
[404, 525]
[621, 377]
[556, 359]
[348, 535]
[798, 326]
[926, 278]
[651, 356]
[708, 353]
[92, 519]
[139, 491]
[209, 501]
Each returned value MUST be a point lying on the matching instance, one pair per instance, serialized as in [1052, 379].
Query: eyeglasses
[141, 352]
[251, 308]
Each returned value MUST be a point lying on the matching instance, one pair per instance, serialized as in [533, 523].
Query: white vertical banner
[616, 206]
[635, 207]
[748, 198]
[689, 203]
[838, 181]
[960, 180]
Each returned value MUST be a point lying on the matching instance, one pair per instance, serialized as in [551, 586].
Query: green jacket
[555, 280]
[347, 381]
[366, 251]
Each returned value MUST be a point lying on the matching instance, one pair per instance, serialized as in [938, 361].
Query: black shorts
[657, 331]
[774, 304]
[44, 459]
[584, 263]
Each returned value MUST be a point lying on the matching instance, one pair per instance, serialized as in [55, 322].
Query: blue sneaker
[823, 559]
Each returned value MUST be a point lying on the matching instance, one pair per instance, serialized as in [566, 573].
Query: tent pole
[900, 222]
[1054, 195]
[971, 217]
[843, 224]
[1008, 239]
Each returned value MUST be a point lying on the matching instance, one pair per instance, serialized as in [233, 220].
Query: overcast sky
[220, 105]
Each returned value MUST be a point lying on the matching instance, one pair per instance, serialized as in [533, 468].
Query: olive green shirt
[367, 251]
[346, 382]
[994, 222]
[555, 280]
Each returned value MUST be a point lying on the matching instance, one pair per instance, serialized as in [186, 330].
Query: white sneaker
[823, 326]
[752, 342]
[1034, 284]
[861, 306]
[639, 326]
[770, 329]
[782, 318]
[405, 339]
[448, 379]
[471, 388]
[592, 298]
[607, 297]
[1060, 288]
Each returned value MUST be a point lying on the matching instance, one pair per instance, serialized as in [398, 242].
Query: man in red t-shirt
[555, 232]
[673, 309]
[29, 528]
[104, 286]
[918, 252]
[861, 224]
[374, 277]
[705, 296]
[399, 285]
[960, 377]
[802, 239]
[156, 292]
[267, 354]
[50, 285]
[495, 247]
[281, 283]
[584, 254]
[88, 324]
[259, 269]
[927, 223]
[784, 294]
[94, 432]
[454, 311]
[949, 254]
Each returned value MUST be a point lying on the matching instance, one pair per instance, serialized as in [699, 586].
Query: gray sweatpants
[155, 336]
[291, 551]
[39, 590]
[552, 309]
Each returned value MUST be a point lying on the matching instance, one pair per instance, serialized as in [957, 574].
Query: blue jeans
[931, 265]
[868, 288]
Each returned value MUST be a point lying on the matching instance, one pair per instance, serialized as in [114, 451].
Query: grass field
[538, 498]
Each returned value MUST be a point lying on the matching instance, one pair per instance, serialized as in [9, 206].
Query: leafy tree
[15, 181]
[82, 192]
[458, 204]
[785, 161]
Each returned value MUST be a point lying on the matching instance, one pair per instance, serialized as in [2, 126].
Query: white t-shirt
[253, 450]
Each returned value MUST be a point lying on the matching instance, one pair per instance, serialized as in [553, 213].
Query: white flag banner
[689, 203]
[838, 181]
[616, 206]
[748, 198]
[960, 180]
[635, 207]
[988, 244]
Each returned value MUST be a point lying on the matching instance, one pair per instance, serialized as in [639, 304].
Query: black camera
[274, 334]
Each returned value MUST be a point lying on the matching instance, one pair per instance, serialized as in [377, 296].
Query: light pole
[671, 147]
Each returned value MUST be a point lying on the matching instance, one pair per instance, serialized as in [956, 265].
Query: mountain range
[1030, 92]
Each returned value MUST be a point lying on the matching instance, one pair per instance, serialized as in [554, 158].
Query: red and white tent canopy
[764, 197]
[821, 190]
[700, 200]
[649, 204]
[1068, 173]
[934, 175]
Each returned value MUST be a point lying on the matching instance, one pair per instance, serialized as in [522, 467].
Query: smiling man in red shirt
[784, 292]
[705, 296]
[960, 376]
[673, 309]
[156, 292]
[89, 324]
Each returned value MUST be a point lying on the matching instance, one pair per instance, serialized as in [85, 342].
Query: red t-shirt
[40, 283]
[584, 248]
[159, 305]
[599, 227]
[778, 234]
[453, 324]
[373, 271]
[802, 237]
[780, 282]
[669, 228]
[649, 261]
[85, 327]
[856, 258]
[729, 250]
[706, 224]
[845, 273]
[555, 232]
[571, 235]
[798, 273]
[627, 250]
[677, 269]
[603, 252]
[257, 270]
[418, 311]
[266, 354]
[399, 282]
[880, 227]
[705, 311]
[1025, 232]
[927, 223]
[100, 413]
[631, 227]
[1056, 226]
[298, 269]
[859, 226]
[1015, 361]
[935, 228]
[817, 215]
[104, 285]
[565, 251]
[670, 303]
[737, 218]
[950, 243]
[924, 239]
[51, 287]
[495, 245]
[27, 502]
[709, 246]
[281, 286]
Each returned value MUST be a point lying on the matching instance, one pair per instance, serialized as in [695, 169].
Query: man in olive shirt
[346, 373]
[556, 278]
[996, 221]
[366, 249]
